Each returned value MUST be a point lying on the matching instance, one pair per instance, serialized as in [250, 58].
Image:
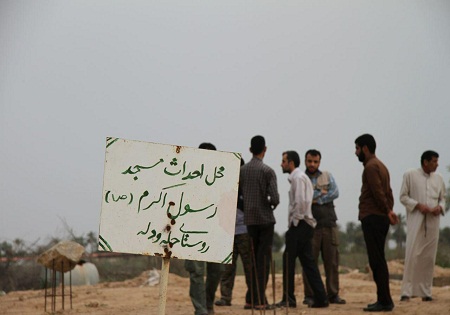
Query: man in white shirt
[301, 225]
[423, 195]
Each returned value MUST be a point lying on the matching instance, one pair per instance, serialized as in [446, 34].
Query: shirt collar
[316, 174]
[256, 158]
[291, 176]
[423, 172]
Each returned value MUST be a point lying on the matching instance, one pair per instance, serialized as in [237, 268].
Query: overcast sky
[304, 74]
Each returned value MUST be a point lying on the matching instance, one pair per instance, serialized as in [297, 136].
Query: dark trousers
[261, 237]
[203, 292]
[298, 244]
[375, 229]
[325, 241]
[241, 247]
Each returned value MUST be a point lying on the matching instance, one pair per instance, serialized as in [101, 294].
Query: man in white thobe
[423, 195]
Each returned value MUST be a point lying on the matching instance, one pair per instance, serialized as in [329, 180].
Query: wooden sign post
[168, 201]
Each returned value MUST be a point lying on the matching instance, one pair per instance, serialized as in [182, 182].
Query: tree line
[19, 270]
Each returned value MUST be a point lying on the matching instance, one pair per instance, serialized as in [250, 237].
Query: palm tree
[355, 237]
[92, 241]
[398, 234]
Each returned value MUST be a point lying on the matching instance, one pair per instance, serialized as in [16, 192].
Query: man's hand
[393, 218]
[436, 210]
[424, 209]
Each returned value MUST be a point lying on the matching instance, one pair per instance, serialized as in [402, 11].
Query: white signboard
[169, 201]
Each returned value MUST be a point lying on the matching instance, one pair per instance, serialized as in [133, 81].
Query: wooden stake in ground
[272, 264]
[287, 280]
[164, 280]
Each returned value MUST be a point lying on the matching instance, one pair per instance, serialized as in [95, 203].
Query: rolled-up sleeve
[333, 193]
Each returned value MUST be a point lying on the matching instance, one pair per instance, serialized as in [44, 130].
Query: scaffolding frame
[53, 289]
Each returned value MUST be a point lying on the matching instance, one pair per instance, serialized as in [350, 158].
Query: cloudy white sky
[304, 74]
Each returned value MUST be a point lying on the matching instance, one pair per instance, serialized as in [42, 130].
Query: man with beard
[423, 195]
[375, 213]
[325, 239]
[301, 225]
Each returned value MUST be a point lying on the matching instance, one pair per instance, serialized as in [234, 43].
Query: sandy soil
[133, 297]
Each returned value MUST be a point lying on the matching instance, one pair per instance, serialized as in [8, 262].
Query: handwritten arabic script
[168, 200]
[174, 170]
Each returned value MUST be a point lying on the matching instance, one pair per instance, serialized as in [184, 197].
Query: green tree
[278, 242]
[443, 253]
[92, 241]
[444, 236]
[19, 247]
[354, 238]
[6, 251]
[398, 234]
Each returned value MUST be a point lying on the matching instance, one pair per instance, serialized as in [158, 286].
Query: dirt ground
[134, 297]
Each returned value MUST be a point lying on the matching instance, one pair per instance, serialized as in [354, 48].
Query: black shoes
[308, 300]
[336, 300]
[222, 302]
[249, 306]
[377, 307]
[319, 304]
[264, 307]
[286, 304]
[427, 299]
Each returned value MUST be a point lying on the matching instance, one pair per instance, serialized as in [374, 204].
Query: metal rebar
[70, 283]
[287, 282]
[45, 285]
[272, 265]
[62, 283]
